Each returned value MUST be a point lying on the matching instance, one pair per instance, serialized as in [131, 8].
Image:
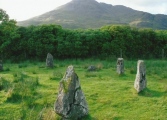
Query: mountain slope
[91, 14]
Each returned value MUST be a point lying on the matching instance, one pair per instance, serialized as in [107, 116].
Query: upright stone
[140, 81]
[120, 65]
[49, 60]
[71, 103]
[1, 65]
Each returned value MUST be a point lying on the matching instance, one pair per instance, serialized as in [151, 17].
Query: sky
[20, 10]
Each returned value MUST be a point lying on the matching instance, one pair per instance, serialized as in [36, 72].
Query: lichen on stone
[66, 84]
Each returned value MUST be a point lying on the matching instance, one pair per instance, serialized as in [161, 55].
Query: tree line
[34, 42]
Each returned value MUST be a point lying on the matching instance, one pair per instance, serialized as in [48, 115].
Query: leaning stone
[120, 65]
[91, 68]
[71, 103]
[49, 60]
[1, 65]
[140, 81]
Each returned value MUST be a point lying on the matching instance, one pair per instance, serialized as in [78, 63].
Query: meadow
[29, 89]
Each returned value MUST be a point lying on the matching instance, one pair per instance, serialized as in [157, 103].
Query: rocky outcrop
[71, 103]
[120, 65]
[140, 81]
[49, 60]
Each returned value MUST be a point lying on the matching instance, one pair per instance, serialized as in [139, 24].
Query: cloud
[151, 6]
[25, 9]
[147, 2]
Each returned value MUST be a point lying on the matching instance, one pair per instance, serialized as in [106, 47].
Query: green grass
[28, 91]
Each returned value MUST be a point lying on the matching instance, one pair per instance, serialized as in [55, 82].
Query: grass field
[28, 90]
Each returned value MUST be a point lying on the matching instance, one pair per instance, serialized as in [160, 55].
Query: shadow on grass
[150, 93]
[89, 117]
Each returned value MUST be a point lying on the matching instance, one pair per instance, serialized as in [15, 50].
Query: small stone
[91, 68]
[140, 81]
[120, 65]
[49, 60]
[71, 103]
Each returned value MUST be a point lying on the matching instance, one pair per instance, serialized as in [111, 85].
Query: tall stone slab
[71, 103]
[120, 65]
[1, 65]
[140, 81]
[49, 60]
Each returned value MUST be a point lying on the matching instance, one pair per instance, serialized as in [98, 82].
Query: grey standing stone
[71, 103]
[120, 65]
[49, 60]
[140, 81]
[91, 68]
[1, 65]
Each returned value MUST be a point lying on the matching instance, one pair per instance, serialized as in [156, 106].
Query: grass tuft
[23, 89]
[4, 84]
[56, 76]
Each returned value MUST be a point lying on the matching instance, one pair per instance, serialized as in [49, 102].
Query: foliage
[34, 42]
[9, 38]
[3, 16]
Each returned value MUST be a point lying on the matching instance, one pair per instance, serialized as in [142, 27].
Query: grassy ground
[28, 90]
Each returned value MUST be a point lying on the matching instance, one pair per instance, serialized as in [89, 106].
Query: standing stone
[71, 103]
[1, 65]
[91, 68]
[120, 65]
[140, 81]
[49, 60]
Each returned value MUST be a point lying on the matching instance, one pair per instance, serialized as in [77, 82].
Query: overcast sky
[25, 9]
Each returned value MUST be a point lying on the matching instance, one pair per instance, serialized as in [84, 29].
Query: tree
[8, 35]
[43, 40]
[3, 16]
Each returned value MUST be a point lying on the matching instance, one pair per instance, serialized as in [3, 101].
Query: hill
[92, 14]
